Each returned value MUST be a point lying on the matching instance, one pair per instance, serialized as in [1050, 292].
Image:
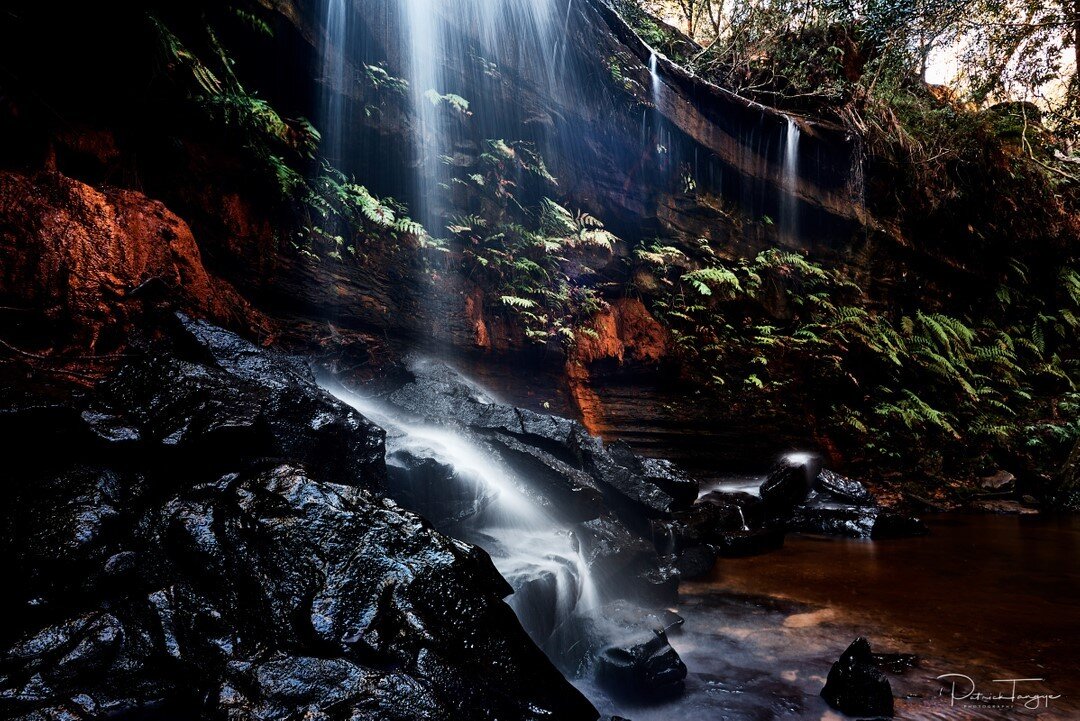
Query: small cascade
[744, 526]
[789, 206]
[535, 553]
[655, 77]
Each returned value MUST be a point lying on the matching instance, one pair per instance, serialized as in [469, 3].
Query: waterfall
[332, 95]
[789, 206]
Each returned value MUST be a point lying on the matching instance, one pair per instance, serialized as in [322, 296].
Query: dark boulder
[434, 490]
[854, 522]
[751, 507]
[729, 525]
[648, 670]
[897, 525]
[561, 489]
[213, 397]
[696, 562]
[855, 686]
[706, 522]
[661, 473]
[831, 486]
[740, 544]
[334, 582]
[561, 458]
[150, 584]
[785, 487]
[825, 520]
[999, 482]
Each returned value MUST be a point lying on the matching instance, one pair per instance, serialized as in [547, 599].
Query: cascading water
[662, 135]
[655, 78]
[332, 97]
[526, 544]
[527, 35]
[422, 40]
[789, 208]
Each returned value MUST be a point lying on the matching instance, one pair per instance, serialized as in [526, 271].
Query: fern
[516, 302]
[706, 279]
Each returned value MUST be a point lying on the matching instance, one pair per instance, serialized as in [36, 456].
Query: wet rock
[662, 473]
[706, 521]
[751, 507]
[536, 601]
[434, 489]
[785, 487]
[559, 455]
[831, 486]
[272, 590]
[740, 544]
[320, 688]
[648, 670]
[897, 525]
[562, 490]
[1000, 482]
[855, 687]
[696, 562]
[854, 522]
[625, 565]
[1003, 507]
[831, 520]
[214, 397]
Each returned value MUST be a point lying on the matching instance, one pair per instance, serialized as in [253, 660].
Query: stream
[762, 632]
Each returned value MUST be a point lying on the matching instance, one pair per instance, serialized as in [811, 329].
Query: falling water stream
[654, 76]
[332, 99]
[525, 542]
[789, 221]
[526, 35]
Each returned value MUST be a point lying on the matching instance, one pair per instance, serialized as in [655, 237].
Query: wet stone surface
[209, 538]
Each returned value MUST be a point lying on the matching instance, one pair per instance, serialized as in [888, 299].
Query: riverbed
[983, 597]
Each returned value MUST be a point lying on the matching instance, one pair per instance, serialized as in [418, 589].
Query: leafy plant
[920, 390]
[531, 258]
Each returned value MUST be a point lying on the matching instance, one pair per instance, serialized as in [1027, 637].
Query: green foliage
[531, 258]
[203, 69]
[341, 215]
[336, 215]
[455, 102]
[921, 390]
[380, 79]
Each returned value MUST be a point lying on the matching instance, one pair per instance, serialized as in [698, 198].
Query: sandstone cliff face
[85, 258]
